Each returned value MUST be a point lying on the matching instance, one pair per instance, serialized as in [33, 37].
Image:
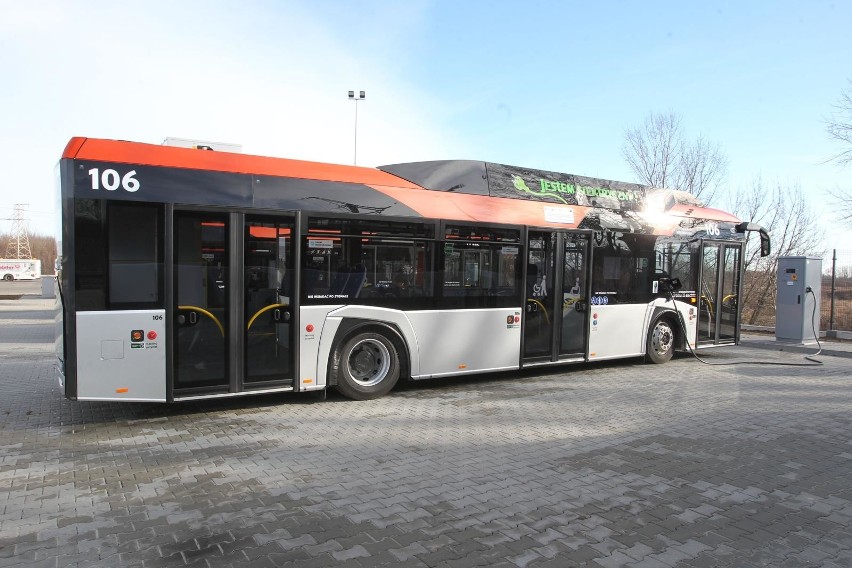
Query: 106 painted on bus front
[111, 180]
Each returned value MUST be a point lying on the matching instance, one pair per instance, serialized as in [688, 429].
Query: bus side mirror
[765, 244]
[671, 284]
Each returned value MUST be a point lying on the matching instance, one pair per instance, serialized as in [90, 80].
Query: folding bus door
[555, 327]
[719, 285]
[202, 275]
[233, 277]
[573, 336]
[268, 285]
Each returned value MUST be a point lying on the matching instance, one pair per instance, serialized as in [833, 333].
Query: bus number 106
[112, 180]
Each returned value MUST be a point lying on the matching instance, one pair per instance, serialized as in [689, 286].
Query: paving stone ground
[616, 465]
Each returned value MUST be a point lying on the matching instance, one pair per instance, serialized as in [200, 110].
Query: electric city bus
[189, 273]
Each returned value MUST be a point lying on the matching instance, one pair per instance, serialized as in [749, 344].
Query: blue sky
[550, 85]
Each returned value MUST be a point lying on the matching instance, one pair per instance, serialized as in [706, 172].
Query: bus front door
[232, 293]
[555, 318]
[719, 284]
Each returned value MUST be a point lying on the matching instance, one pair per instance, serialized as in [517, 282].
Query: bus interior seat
[311, 279]
[339, 280]
[356, 281]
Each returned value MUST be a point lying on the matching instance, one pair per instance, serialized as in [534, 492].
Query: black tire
[366, 365]
[661, 341]
[8, 277]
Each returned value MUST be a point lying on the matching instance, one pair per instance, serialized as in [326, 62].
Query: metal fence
[836, 301]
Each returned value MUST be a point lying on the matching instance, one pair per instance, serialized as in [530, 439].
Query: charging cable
[814, 362]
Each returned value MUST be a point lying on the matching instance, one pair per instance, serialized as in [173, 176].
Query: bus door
[555, 318]
[268, 293]
[719, 285]
[232, 283]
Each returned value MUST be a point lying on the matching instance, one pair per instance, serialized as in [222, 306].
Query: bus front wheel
[367, 366]
[8, 277]
[661, 342]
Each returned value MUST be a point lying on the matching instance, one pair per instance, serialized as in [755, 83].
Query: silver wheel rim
[368, 362]
[662, 339]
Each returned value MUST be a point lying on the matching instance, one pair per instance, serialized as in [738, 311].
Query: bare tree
[652, 149]
[660, 156]
[841, 199]
[840, 126]
[795, 230]
[703, 168]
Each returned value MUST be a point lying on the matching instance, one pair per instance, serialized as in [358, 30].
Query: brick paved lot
[607, 465]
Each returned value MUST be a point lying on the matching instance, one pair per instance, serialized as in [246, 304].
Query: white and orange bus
[189, 274]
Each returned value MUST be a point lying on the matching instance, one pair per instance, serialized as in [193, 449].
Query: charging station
[797, 302]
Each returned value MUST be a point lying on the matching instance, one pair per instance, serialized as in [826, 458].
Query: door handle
[278, 315]
[193, 318]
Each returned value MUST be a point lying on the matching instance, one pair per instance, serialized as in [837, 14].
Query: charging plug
[808, 289]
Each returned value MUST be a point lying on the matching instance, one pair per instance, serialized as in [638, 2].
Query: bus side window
[360, 261]
[481, 266]
[127, 272]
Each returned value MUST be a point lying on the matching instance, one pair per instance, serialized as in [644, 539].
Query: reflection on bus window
[481, 262]
[365, 262]
[129, 274]
[676, 259]
[621, 270]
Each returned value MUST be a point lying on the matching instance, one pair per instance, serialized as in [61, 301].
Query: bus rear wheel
[661, 341]
[367, 366]
[8, 277]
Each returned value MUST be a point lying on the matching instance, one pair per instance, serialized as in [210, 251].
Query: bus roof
[472, 190]
[122, 151]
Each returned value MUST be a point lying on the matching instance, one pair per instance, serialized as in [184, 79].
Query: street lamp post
[361, 96]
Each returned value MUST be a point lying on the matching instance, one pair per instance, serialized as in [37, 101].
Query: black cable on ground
[814, 363]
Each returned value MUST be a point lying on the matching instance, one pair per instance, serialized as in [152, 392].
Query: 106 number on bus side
[111, 180]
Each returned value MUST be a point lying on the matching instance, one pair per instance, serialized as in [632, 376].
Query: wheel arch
[351, 326]
[671, 317]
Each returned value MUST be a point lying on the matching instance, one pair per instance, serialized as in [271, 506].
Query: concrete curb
[832, 333]
[828, 348]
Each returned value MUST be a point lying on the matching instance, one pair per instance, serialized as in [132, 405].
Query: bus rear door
[233, 278]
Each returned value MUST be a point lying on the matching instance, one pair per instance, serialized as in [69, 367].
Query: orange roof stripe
[481, 208]
[100, 150]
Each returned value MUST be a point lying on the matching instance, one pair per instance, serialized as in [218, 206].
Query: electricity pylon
[19, 243]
